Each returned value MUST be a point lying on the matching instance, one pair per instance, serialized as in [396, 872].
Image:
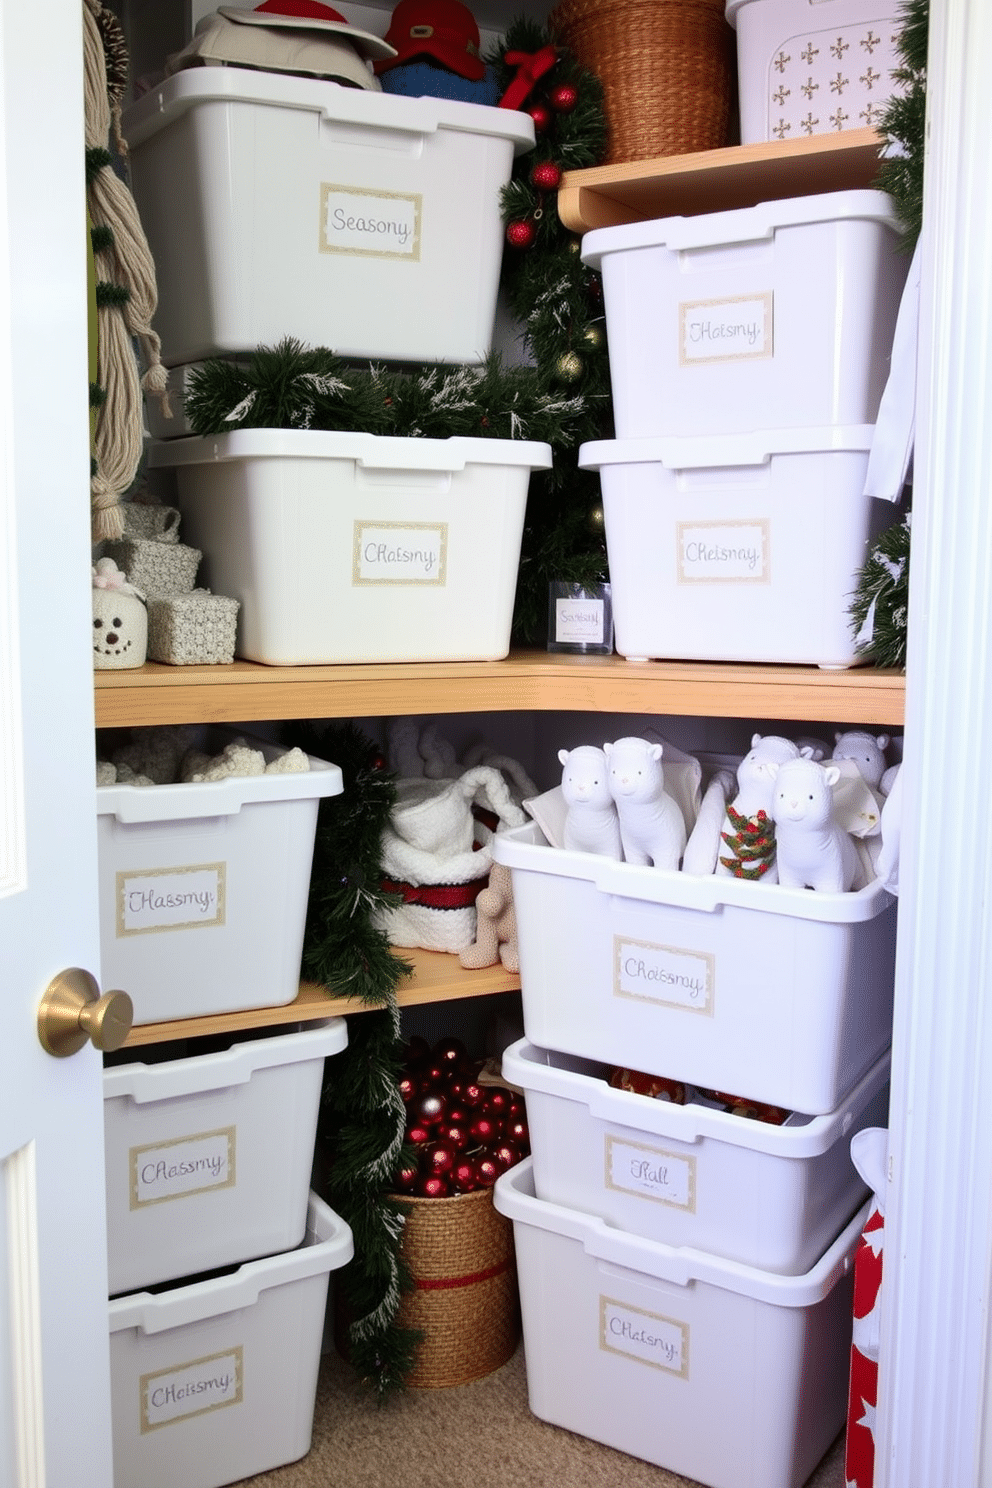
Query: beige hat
[303, 37]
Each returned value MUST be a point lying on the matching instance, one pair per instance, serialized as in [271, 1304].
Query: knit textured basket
[465, 1301]
[667, 67]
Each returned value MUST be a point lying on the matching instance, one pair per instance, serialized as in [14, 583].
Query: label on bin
[185, 1390]
[663, 974]
[725, 330]
[645, 1336]
[650, 1173]
[400, 553]
[383, 224]
[152, 899]
[726, 551]
[188, 1165]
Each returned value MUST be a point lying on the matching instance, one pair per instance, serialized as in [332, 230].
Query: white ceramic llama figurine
[591, 821]
[867, 751]
[652, 828]
[755, 787]
[812, 850]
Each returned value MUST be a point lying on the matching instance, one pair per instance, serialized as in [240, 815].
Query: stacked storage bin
[278, 206]
[748, 353]
[685, 1271]
[219, 1254]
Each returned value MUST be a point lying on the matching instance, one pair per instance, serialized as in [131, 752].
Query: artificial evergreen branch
[362, 1118]
[880, 606]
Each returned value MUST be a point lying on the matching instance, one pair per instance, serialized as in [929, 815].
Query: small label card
[664, 974]
[207, 1384]
[153, 899]
[188, 1165]
[645, 1336]
[383, 224]
[725, 330]
[400, 553]
[727, 552]
[650, 1173]
[580, 618]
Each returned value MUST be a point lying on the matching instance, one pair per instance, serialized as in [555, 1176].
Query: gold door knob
[72, 1011]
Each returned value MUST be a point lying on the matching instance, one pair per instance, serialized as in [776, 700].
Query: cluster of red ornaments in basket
[463, 1132]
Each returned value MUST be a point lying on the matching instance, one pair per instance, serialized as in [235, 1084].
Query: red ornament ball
[485, 1129]
[487, 1170]
[541, 115]
[429, 1108]
[497, 1102]
[521, 234]
[438, 1159]
[462, 1176]
[564, 98]
[432, 1187]
[418, 1135]
[546, 175]
[406, 1179]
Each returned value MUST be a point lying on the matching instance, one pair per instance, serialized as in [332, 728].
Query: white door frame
[938, 1249]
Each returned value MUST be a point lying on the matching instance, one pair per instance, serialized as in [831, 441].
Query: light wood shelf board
[717, 180]
[537, 681]
[437, 977]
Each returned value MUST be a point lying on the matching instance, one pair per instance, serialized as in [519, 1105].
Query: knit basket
[465, 1300]
[667, 68]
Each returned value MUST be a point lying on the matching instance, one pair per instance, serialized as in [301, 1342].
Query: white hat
[279, 42]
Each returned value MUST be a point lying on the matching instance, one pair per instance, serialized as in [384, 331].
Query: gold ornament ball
[596, 519]
[593, 337]
[569, 367]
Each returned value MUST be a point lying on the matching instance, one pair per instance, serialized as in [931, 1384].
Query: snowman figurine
[120, 619]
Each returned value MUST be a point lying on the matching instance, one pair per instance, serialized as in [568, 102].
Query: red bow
[530, 66]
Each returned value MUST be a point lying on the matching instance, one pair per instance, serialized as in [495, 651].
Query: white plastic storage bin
[721, 323]
[347, 547]
[215, 1381]
[778, 995]
[813, 67]
[208, 1154]
[768, 1196]
[732, 1376]
[203, 887]
[277, 206]
[743, 547]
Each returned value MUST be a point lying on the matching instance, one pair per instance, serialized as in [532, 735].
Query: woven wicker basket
[466, 1303]
[668, 70]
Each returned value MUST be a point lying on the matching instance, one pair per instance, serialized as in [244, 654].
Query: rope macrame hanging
[126, 295]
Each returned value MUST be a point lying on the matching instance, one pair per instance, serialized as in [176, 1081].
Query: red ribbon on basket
[437, 896]
[444, 1283]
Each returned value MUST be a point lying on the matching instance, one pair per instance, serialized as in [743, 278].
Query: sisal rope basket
[668, 70]
[465, 1300]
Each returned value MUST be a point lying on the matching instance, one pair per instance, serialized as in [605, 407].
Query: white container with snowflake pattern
[813, 66]
[781, 314]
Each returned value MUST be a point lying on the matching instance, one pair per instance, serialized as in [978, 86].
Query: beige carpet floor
[481, 1435]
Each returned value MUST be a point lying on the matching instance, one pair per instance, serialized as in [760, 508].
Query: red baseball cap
[443, 29]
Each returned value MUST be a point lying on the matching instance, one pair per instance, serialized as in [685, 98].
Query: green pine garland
[362, 1117]
[559, 302]
[881, 603]
[879, 609]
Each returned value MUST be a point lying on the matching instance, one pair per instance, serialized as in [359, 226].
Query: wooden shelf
[436, 978]
[718, 180]
[246, 692]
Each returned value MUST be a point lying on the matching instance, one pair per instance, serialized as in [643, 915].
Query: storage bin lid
[147, 1083]
[373, 451]
[195, 799]
[514, 1197]
[329, 1245]
[162, 105]
[526, 849]
[756, 447]
[800, 1138]
[741, 225]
